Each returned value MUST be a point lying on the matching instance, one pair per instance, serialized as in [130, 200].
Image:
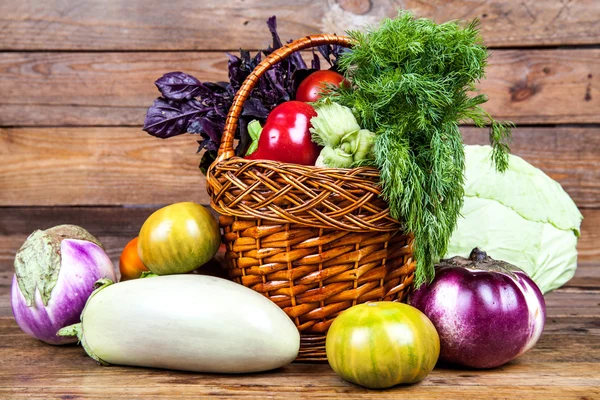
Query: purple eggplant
[486, 312]
[55, 272]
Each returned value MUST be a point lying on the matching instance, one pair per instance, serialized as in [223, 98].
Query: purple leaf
[207, 144]
[276, 83]
[297, 61]
[329, 51]
[254, 108]
[272, 24]
[170, 118]
[178, 86]
[316, 62]
[325, 51]
[212, 129]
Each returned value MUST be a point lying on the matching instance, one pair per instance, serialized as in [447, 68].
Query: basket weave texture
[314, 240]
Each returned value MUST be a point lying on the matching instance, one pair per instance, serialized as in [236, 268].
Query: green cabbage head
[522, 217]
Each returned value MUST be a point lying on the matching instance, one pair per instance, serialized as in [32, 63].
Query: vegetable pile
[394, 101]
[189, 105]
[405, 87]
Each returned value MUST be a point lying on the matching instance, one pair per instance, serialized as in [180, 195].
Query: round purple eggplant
[486, 312]
[55, 272]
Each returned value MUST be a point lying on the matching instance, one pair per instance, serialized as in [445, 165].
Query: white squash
[186, 322]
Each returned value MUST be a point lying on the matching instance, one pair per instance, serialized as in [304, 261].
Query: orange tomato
[130, 264]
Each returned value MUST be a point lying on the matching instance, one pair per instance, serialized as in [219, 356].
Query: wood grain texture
[91, 88]
[227, 24]
[115, 89]
[564, 364]
[565, 302]
[97, 166]
[109, 166]
[115, 226]
[542, 86]
[67, 66]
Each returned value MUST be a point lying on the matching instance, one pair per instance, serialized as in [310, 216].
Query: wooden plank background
[76, 78]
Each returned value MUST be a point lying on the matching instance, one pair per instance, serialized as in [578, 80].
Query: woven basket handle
[231, 123]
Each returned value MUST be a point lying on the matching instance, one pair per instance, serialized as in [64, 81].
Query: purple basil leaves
[189, 105]
[331, 54]
[167, 118]
[178, 86]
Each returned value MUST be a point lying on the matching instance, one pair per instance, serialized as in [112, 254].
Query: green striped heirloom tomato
[178, 238]
[382, 344]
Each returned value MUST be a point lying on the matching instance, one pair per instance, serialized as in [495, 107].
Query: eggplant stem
[77, 329]
[477, 255]
[71, 330]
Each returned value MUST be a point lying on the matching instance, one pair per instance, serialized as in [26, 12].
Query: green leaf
[521, 216]
[254, 130]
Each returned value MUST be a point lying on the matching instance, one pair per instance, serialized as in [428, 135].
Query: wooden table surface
[76, 78]
[565, 364]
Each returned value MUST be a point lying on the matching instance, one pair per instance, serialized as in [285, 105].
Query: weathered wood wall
[76, 78]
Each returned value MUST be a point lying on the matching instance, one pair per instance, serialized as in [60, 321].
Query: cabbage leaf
[520, 216]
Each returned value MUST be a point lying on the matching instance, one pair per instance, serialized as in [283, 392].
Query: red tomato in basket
[311, 87]
[286, 136]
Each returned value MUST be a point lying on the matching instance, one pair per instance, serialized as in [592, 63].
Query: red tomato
[310, 88]
[286, 136]
[130, 264]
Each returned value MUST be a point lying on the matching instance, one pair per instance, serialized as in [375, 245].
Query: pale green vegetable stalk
[344, 143]
[522, 217]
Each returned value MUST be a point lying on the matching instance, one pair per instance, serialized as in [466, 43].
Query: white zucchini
[186, 322]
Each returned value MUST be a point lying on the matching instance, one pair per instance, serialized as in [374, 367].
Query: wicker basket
[315, 241]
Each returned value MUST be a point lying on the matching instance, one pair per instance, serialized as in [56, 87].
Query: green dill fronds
[500, 138]
[411, 83]
[500, 132]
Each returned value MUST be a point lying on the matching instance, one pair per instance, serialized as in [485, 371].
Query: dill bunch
[411, 80]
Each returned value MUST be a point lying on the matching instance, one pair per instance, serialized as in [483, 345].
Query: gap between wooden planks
[228, 24]
[115, 226]
[115, 89]
[112, 166]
